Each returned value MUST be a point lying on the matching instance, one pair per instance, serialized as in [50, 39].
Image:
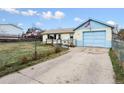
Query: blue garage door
[94, 38]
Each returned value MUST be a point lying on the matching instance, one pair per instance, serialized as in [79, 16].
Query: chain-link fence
[118, 47]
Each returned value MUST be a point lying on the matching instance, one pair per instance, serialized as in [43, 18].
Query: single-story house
[10, 31]
[33, 32]
[93, 33]
[59, 36]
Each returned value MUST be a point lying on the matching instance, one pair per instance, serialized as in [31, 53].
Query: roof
[59, 31]
[13, 25]
[10, 30]
[94, 21]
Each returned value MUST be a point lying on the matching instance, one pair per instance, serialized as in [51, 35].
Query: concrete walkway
[79, 66]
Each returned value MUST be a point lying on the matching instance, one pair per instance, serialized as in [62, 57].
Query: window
[51, 36]
[71, 36]
[48, 36]
[54, 36]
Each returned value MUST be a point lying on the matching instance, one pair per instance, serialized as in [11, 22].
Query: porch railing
[59, 41]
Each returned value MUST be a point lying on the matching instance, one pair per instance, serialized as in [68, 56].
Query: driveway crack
[30, 77]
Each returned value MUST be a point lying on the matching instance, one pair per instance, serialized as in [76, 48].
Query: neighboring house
[58, 36]
[10, 31]
[93, 33]
[33, 33]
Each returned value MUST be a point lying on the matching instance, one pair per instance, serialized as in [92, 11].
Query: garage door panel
[89, 38]
[99, 37]
[88, 34]
[88, 42]
[102, 33]
[98, 40]
[102, 43]
[94, 38]
[99, 33]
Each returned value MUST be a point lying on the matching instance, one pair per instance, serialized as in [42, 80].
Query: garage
[94, 39]
[93, 33]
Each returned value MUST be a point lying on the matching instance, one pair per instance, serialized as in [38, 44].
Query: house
[32, 33]
[58, 36]
[10, 32]
[93, 33]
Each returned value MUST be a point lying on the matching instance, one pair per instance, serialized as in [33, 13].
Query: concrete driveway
[79, 66]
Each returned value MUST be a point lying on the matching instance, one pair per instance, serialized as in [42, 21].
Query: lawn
[15, 56]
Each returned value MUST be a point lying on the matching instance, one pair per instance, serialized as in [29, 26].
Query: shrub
[34, 56]
[72, 45]
[57, 49]
[39, 56]
[24, 60]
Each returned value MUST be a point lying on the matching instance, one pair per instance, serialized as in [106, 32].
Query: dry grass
[117, 66]
[15, 56]
[13, 52]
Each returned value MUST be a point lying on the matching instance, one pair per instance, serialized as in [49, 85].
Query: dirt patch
[95, 50]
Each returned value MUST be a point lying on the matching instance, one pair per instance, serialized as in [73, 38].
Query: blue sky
[51, 18]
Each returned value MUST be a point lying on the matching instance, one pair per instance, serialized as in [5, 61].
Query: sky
[53, 18]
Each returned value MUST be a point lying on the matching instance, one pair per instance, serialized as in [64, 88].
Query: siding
[10, 30]
[44, 38]
[78, 35]
[65, 36]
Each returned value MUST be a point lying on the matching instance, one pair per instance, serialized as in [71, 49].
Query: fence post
[57, 41]
[46, 41]
[35, 53]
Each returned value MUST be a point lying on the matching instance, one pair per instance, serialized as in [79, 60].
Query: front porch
[59, 41]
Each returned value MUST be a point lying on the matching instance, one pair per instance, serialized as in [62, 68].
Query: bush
[24, 60]
[57, 49]
[72, 45]
[34, 56]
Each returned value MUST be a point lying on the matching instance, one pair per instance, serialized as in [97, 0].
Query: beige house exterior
[58, 36]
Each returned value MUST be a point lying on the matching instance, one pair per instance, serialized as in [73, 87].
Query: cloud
[47, 15]
[29, 13]
[77, 19]
[15, 11]
[20, 24]
[121, 26]
[111, 22]
[3, 19]
[38, 24]
[50, 15]
[10, 10]
[59, 15]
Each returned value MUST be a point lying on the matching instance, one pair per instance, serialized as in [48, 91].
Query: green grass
[118, 68]
[15, 56]
[13, 52]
